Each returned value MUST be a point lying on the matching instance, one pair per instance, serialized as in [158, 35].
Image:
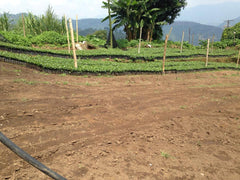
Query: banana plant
[5, 22]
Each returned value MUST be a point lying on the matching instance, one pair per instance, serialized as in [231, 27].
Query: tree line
[34, 25]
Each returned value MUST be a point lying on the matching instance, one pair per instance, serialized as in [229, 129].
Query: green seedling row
[148, 54]
[104, 66]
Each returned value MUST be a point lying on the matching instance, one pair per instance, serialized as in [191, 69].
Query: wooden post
[170, 31]
[238, 58]
[148, 36]
[24, 33]
[140, 38]
[189, 36]
[110, 25]
[182, 42]
[212, 42]
[73, 43]
[207, 53]
[164, 55]
[77, 27]
[67, 34]
[192, 38]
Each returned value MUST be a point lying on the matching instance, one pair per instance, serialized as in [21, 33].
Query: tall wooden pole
[238, 58]
[164, 55]
[110, 25]
[192, 38]
[207, 52]
[170, 31]
[24, 33]
[73, 44]
[189, 36]
[67, 34]
[182, 42]
[140, 38]
[77, 27]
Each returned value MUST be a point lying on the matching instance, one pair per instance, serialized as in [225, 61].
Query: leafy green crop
[103, 66]
[49, 37]
[148, 54]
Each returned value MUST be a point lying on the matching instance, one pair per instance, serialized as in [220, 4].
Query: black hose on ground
[7, 142]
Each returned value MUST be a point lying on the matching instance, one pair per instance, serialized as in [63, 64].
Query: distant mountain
[15, 17]
[232, 22]
[212, 14]
[200, 31]
[197, 31]
[89, 26]
[90, 23]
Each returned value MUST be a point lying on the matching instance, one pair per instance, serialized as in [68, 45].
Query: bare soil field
[176, 126]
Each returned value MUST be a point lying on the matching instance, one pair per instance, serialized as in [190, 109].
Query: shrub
[220, 44]
[15, 38]
[49, 37]
[101, 34]
[122, 43]
[92, 39]
[133, 43]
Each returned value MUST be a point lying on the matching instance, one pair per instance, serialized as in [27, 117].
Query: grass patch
[214, 85]
[25, 81]
[25, 99]
[63, 74]
[165, 155]
[183, 107]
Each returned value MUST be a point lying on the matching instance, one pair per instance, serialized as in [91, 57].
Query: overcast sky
[82, 8]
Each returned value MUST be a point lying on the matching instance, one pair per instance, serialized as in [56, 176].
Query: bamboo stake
[24, 33]
[164, 55]
[207, 53]
[73, 43]
[238, 58]
[67, 34]
[170, 31]
[182, 42]
[189, 32]
[77, 27]
[110, 25]
[192, 38]
[140, 38]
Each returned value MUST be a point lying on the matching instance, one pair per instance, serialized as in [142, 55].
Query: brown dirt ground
[177, 126]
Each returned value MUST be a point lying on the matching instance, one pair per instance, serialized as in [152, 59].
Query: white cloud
[82, 8]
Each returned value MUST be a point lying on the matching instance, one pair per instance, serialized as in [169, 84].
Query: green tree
[32, 24]
[121, 13]
[155, 13]
[231, 33]
[50, 22]
[5, 22]
[35, 25]
[101, 34]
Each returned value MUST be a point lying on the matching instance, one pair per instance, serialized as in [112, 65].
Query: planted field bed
[106, 61]
[59, 65]
[147, 54]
